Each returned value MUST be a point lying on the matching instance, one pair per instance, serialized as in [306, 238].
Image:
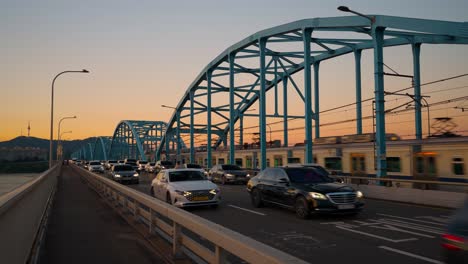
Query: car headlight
[214, 191]
[135, 175]
[317, 196]
[184, 193]
[229, 175]
[248, 175]
[117, 175]
[359, 194]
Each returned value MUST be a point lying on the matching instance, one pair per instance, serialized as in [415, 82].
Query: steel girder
[101, 148]
[137, 139]
[196, 109]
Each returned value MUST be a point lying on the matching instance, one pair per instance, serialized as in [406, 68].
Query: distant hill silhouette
[69, 146]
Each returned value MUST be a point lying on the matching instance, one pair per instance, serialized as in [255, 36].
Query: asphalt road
[384, 232]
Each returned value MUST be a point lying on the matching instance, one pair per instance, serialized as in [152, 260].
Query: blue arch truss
[239, 78]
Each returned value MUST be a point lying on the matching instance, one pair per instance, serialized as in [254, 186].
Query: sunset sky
[142, 54]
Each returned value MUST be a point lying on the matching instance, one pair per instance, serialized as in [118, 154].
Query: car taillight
[452, 242]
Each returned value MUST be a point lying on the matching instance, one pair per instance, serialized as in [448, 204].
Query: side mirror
[283, 180]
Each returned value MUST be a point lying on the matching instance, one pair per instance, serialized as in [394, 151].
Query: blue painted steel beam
[417, 89]
[378, 39]
[262, 104]
[317, 99]
[307, 33]
[192, 127]
[357, 63]
[285, 111]
[232, 114]
[208, 118]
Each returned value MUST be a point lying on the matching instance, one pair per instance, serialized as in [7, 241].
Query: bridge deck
[83, 229]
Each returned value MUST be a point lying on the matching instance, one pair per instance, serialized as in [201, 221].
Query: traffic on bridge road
[385, 232]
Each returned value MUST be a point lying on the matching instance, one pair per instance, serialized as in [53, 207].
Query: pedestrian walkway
[83, 229]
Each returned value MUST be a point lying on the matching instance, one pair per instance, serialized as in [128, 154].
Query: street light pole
[52, 113]
[58, 132]
[346, 9]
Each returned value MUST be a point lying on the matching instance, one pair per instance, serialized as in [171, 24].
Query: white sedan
[185, 188]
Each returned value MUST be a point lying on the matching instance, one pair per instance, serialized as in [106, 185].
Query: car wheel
[256, 197]
[302, 208]
[152, 191]
[168, 198]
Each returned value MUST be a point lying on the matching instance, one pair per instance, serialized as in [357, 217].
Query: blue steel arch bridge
[131, 139]
[280, 66]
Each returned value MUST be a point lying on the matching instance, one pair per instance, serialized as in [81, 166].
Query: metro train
[441, 159]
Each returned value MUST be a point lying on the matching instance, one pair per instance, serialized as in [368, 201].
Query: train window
[239, 162]
[393, 164]
[354, 164]
[333, 163]
[432, 165]
[458, 166]
[248, 162]
[278, 161]
[419, 164]
[294, 160]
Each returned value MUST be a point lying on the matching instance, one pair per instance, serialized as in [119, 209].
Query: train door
[358, 164]
[358, 167]
[425, 169]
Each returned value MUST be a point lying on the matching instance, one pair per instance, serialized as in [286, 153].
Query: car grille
[199, 194]
[342, 198]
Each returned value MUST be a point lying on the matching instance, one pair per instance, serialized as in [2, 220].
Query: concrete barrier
[416, 196]
[22, 211]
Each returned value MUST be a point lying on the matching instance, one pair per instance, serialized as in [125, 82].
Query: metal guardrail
[373, 179]
[21, 217]
[152, 212]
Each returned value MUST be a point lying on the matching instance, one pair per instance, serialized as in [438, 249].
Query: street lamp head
[85, 71]
[343, 8]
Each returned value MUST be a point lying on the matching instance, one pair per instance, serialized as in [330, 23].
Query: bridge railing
[23, 215]
[434, 193]
[197, 237]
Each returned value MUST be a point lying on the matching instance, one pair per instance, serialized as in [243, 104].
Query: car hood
[327, 187]
[193, 185]
[236, 172]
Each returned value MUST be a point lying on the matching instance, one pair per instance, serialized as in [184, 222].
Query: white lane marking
[392, 228]
[378, 237]
[411, 255]
[433, 218]
[247, 210]
[427, 222]
[428, 229]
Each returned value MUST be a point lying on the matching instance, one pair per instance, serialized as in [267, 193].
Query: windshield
[152, 163]
[321, 170]
[94, 163]
[231, 167]
[123, 168]
[177, 176]
[112, 161]
[166, 163]
[306, 175]
[193, 166]
[142, 162]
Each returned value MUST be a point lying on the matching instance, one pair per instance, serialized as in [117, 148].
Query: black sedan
[455, 241]
[304, 190]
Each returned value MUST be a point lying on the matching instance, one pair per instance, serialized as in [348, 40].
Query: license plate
[346, 206]
[200, 198]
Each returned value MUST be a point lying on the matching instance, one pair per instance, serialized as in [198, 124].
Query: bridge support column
[357, 61]
[262, 103]
[417, 89]
[306, 34]
[232, 144]
[178, 145]
[378, 39]
[208, 118]
[285, 110]
[192, 141]
[316, 99]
